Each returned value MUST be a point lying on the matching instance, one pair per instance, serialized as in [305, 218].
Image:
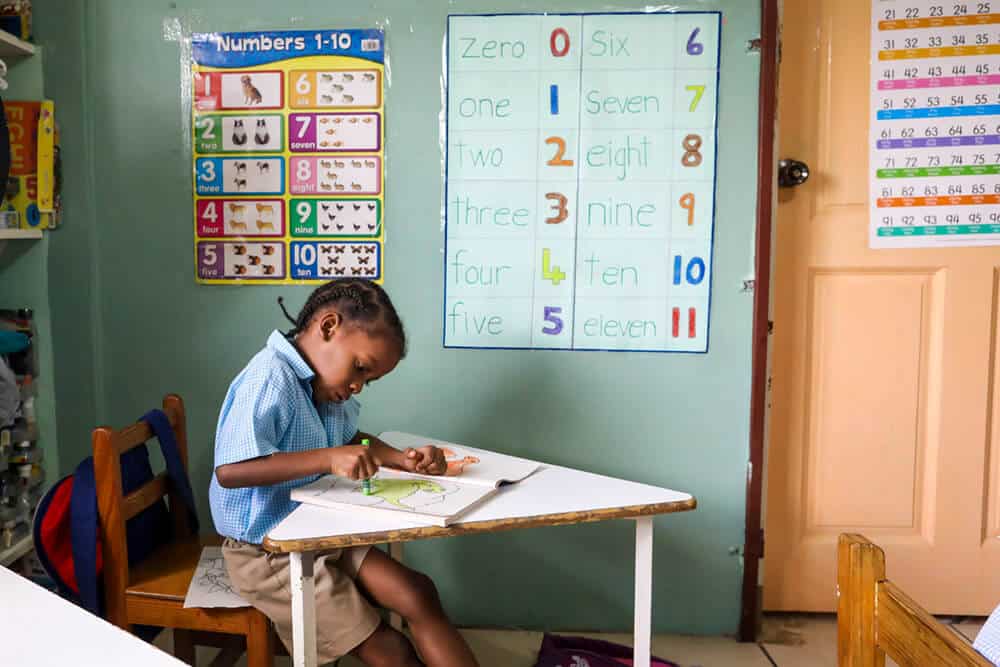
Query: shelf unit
[16, 550]
[11, 46]
[14, 234]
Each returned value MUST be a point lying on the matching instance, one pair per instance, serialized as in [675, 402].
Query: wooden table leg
[303, 610]
[643, 591]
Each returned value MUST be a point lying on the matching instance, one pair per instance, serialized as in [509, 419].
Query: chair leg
[260, 649]
[184, 647]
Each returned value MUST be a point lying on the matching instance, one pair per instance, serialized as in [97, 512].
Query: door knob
[792, 173]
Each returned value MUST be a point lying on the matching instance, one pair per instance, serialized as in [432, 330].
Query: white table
[552, 496]
[41, 629]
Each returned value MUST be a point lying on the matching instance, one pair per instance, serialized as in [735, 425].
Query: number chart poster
[580, 185]
[288, 132]
[935, 123]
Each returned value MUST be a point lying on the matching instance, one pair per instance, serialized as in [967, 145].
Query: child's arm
[353, 462]
[428, 460]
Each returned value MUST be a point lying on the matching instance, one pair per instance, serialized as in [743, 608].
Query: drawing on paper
[213, 577]
[210, 585]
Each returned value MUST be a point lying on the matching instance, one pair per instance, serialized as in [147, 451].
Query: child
[293, 400]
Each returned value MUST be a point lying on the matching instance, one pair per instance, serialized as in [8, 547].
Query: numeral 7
[698, 91]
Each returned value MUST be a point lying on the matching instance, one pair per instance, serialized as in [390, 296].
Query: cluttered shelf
[13, 234]
[11, 46]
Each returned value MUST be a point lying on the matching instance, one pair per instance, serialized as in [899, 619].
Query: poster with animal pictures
[288, 135]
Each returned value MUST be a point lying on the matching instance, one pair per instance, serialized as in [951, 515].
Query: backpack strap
[84, 527]
[160, 423]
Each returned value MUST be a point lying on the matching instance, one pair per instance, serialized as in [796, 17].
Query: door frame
[753, 547]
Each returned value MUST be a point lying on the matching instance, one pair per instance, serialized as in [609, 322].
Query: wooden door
[884, 398]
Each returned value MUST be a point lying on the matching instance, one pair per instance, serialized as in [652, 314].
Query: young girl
[279, 419]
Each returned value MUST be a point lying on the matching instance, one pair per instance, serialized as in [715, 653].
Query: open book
[473, 476]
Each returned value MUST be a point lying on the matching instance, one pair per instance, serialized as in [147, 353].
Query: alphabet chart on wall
[580, 180]
[935, 123]
[288, 132]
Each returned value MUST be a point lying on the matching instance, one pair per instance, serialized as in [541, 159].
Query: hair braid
[358, 301]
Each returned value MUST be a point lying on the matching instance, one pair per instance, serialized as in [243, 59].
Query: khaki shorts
[344, 617]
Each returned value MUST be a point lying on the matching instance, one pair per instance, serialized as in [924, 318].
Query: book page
[467, 464]
[438, 499]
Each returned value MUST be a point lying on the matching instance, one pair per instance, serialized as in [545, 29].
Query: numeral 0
[559, 33]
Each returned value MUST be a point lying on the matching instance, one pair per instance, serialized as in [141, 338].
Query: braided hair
[360, 302]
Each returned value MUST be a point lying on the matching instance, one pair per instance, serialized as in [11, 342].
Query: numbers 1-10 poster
[288, 132]
[580, 182]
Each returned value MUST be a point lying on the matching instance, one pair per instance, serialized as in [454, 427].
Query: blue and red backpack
[67, 529]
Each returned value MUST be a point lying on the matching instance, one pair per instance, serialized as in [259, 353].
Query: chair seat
[166, 574]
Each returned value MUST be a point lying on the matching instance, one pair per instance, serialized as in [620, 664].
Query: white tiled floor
[787, 641]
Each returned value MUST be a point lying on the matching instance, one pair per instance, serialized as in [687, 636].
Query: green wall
[133, 324]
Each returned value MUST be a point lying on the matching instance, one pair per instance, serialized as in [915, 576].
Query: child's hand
[427, 460]
[353, 462]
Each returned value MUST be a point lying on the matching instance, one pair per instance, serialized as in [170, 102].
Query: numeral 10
[693, 274]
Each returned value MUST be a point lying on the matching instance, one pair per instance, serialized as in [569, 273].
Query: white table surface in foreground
[550, 490]
[40, 629]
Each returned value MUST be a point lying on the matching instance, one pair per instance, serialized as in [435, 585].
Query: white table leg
[303, 610]
[643, 591]
[396, 551]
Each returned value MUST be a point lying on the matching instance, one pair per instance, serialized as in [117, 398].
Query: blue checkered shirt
[269, 408]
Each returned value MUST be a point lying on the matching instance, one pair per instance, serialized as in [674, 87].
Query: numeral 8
[691, 144]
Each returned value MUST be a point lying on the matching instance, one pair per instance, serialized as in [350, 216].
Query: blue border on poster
[715, 185]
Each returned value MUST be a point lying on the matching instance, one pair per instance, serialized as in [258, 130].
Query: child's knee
[421, 596]
[387, 647]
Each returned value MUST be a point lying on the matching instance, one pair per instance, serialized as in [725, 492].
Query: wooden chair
[875, 618]
[152, 592]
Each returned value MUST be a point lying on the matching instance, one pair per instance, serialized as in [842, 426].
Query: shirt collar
[284, 349]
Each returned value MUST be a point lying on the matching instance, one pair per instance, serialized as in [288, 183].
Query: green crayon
[366, 484]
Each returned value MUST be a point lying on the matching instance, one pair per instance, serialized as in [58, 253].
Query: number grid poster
[935, 124]
[288, 133]
[580, 180]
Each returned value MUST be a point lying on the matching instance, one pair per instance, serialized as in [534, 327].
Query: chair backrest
[876, 618]
[115, 508]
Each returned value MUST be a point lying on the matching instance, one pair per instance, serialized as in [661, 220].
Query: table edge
[492, 526]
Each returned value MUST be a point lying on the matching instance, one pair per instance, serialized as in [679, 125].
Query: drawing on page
[213, 577]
